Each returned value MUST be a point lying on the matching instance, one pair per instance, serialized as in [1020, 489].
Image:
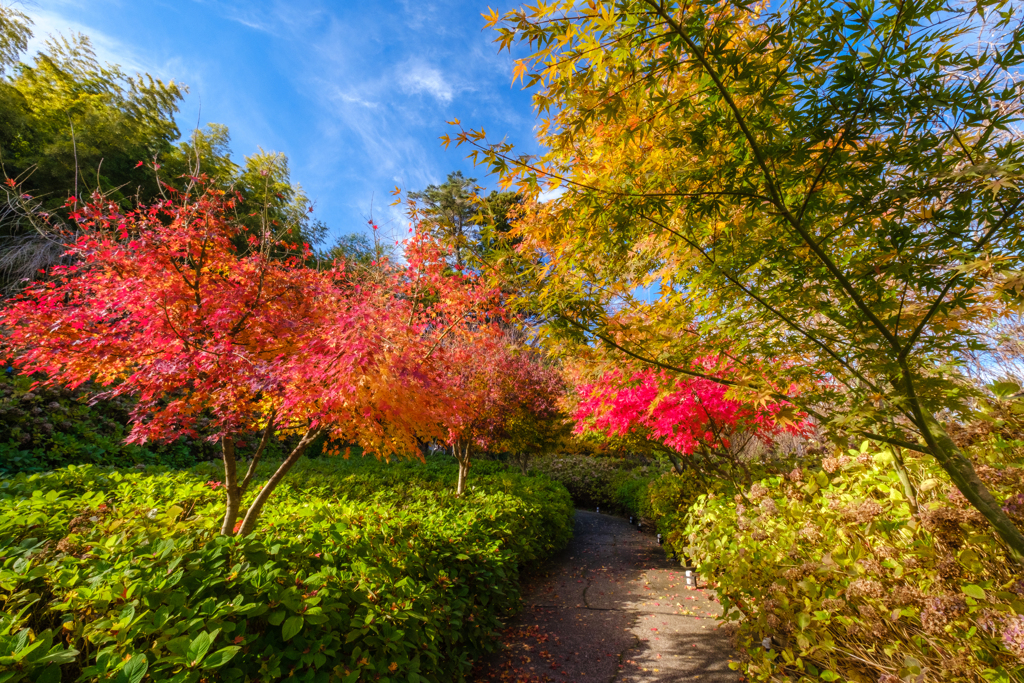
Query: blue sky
[355, 93]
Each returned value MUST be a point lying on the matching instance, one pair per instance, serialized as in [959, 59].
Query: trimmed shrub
[44, 429]
[358, 572]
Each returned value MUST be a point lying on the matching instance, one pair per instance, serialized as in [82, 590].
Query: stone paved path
[612, 609]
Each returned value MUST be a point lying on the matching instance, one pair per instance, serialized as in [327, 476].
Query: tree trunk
[463, 458]
[961, 472]
[253, 513]
[234, 496]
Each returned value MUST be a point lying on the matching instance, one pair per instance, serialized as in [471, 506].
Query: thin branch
[267, 431]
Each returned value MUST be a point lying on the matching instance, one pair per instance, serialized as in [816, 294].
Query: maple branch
[445, 334]
[575, 55]
[895, 442]
[852, 120]
[615, 193]
[776, 199]
[167, 318]
[779, 314]
[933, 309]
[238, 326]
[778, 396]
[199, 265]
[672, 368]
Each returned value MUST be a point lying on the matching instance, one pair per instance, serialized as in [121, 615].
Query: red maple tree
[686, 415]
[162, 304]
[508, 394]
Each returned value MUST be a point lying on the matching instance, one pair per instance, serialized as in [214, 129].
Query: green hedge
[615, 484]
[358, 573]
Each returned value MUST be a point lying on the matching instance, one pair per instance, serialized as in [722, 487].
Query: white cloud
[371, 81]
[244, 14]
[417, 78]
[352, 98]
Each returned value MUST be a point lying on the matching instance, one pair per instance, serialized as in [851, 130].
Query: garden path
[612, 609]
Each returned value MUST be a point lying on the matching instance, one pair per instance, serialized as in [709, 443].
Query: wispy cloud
[353, 98]
[416, 77]
[356, 94]
[245, 14]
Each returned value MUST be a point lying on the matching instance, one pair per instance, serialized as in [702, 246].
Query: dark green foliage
[44, 429]
[614, 484]
[449, 213]
[361, 572]
[355, 248]
[477, 228]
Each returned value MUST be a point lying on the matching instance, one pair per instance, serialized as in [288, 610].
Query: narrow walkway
[612, 609]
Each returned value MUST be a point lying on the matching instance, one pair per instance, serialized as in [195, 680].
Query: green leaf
[973, 591]
[198, 648]
[50, 674]
[1004, 390]
[135, 669]
[59, 657]
[292, 625]
[221, 657]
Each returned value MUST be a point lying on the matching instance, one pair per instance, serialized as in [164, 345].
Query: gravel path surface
[612, 609]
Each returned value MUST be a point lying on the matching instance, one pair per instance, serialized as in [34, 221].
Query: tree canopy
[824, 195]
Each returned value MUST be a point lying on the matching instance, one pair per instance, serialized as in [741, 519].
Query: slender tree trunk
[267, 431]
[524, 462]
[234, 495]
[961, 472]
[253, 513]
[463, 457]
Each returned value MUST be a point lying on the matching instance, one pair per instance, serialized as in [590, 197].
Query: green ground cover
[360, 571]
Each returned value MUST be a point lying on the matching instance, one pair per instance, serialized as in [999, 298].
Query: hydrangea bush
[832, 576]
